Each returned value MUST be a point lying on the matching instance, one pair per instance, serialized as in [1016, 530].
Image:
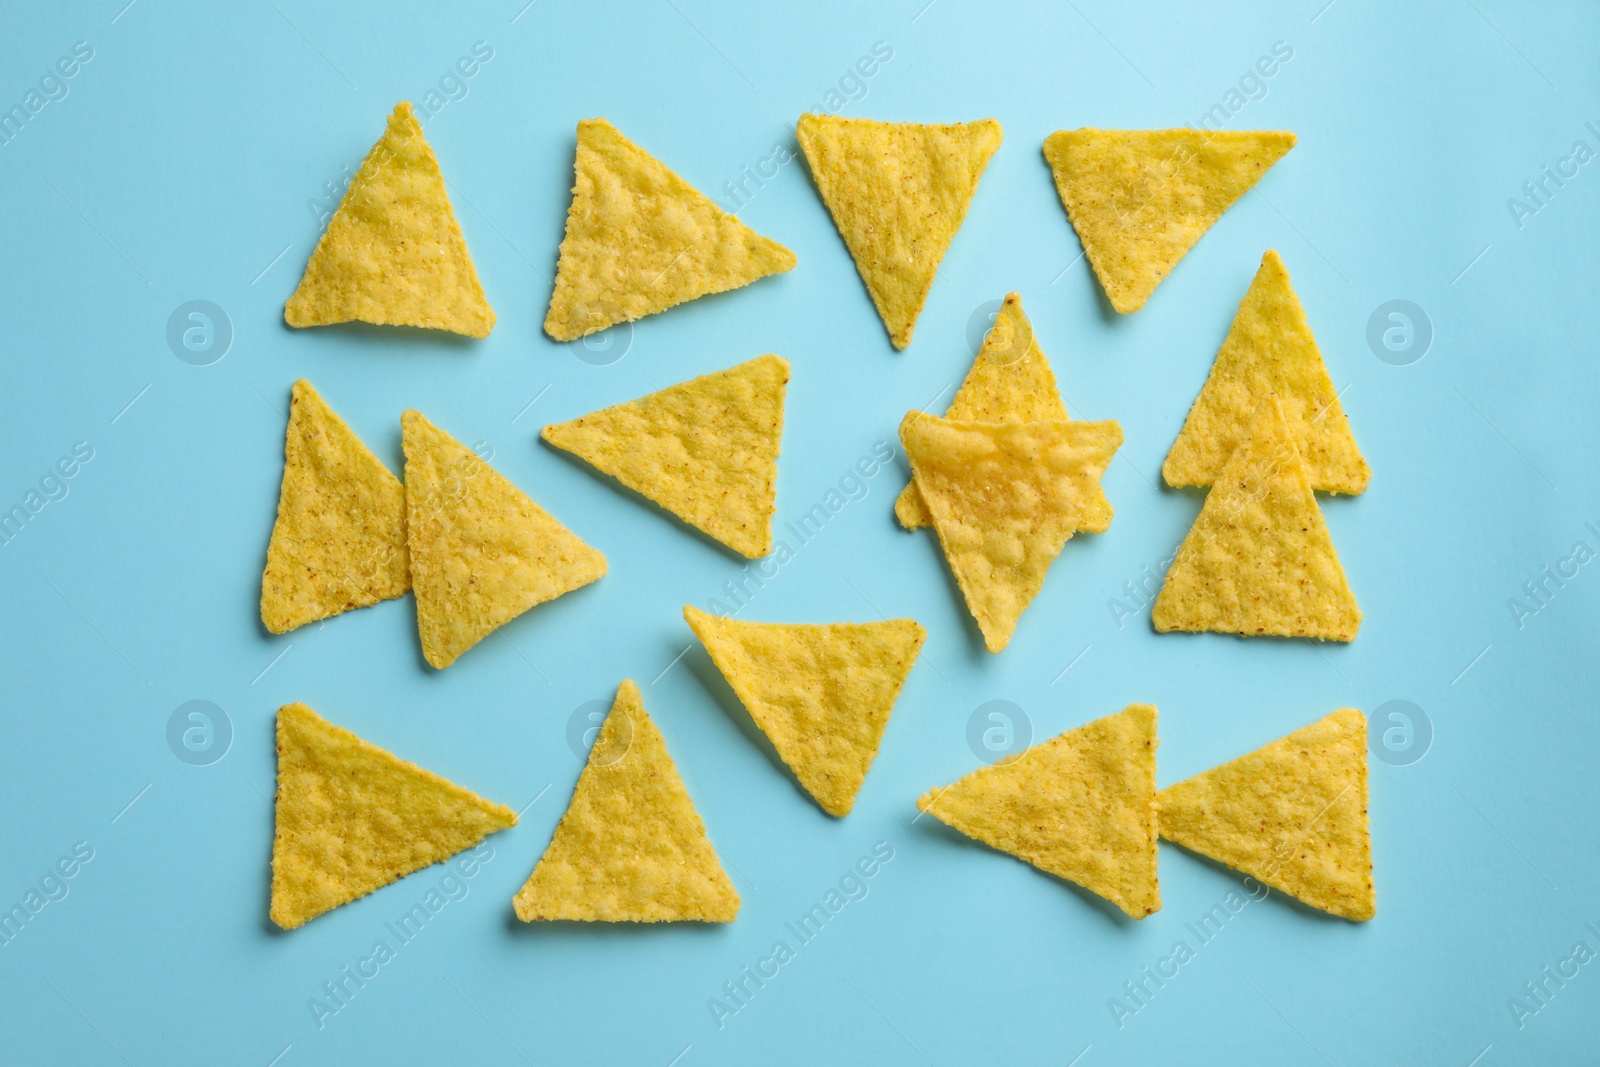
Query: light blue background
[179, 167]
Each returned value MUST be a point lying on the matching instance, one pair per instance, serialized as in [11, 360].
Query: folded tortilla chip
[1269, 350]
[1005, 497]
[482, 552]
[393, 253]
[705, 449]
[631, 847]
[898, 192]
[1140, 199]
[1259, 558]
[339, 541]
[1081, 806]
[640, 240]
[822, 693]
[352, 818]
[1292, 814]
[1010, 381]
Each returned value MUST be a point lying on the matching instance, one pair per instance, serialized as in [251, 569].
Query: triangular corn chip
[1259, 559]
[640, 239]
[1081, 806]
[631, 847]
[898, 192]
[705, 449]
[1269, 350]
[1140, 199]
[1010, 381]
[1293, 814]
[822, 693]
[393, 253]
[482, 552]
[1004, 498]
[352, 818]
[339, 541]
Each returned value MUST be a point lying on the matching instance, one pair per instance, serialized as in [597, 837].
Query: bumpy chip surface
[1005, 497]
[898, 192]
[1269, 350]
[1259, 558]
[1140, 199]
[705, 449]
[1010, 381]
[1292, 813]
[482, 552]
[393, 253]
[822, 693]
[352, 818]
[631, 847]
[640, 240]
[1081, 806]
[339, 541]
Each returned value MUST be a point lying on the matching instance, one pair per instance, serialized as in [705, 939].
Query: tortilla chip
[1005, 497]
[631, 847]
[705, 449]
[1081, 806]
[1010, 381]
[1259, 559]
[393, 253]
[1269, 350]
[1140, 199]
[821, 693]
[339, 541]
[898, 192]
[352, 818]
[640, 239]
[1293, 814]
[482, 552]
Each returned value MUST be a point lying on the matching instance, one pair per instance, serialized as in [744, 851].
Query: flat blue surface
[185, 161]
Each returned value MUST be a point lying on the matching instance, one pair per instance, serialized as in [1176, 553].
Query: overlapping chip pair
[1084, 807]
[1005, 477]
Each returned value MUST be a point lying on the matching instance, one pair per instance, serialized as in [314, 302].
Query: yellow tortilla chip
[1269, 350]
[393, 253]
[352, 818]
[1140, 199]
[1081, 806]
[1293, 814]
[705, 449]
[898, 192]
[482, 552]
[1259, 559]
[1005, 497]
[821, 693]
[1010, 381]
[640, 239]
[631, 847]
[339, 541]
